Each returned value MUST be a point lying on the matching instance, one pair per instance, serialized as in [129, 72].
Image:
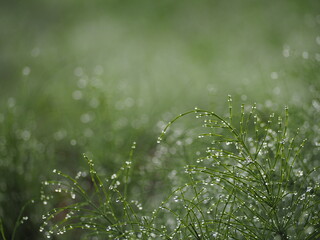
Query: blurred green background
[94, 76]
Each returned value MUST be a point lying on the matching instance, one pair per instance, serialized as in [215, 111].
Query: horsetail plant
[247, 184]
[99, 212]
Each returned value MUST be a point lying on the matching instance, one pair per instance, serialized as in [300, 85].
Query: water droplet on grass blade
[26, 71]
[77, 95]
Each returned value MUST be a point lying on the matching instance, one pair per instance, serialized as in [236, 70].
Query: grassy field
[96, 77]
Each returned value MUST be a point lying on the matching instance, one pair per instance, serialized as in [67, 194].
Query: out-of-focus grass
[94, 77]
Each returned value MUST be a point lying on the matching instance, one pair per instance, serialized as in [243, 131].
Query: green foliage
[101, 207]
[92, 77]
[244, 184]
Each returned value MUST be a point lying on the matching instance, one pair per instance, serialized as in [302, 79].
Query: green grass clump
[92, 77]
[245, 181]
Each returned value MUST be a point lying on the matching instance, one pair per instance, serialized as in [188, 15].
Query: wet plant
[100, 206]
[246, 182]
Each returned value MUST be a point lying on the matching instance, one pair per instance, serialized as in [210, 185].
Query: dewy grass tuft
[244, 184]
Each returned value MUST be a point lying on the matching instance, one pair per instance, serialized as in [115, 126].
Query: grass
[245, 184]
[93, 78]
